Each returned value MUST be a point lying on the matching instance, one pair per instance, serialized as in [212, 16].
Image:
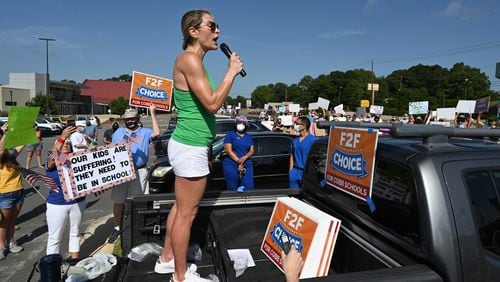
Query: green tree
[262, 95]
[242, 100]
[40, 100]
[123, 77]
[118, 106]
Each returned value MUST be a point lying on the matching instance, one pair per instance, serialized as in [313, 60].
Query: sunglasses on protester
[212, 26]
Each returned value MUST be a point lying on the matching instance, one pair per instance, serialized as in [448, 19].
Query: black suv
[270, 163]
[222, 126]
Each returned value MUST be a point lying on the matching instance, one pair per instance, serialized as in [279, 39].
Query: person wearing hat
[237, 166]
[462, 121]
[139, 139]
[77, 138]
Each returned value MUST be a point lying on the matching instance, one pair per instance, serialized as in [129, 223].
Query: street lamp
[47, 72]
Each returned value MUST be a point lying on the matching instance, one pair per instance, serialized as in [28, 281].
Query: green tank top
[195, 125]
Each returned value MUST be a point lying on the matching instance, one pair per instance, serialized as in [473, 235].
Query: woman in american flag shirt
[59, 211]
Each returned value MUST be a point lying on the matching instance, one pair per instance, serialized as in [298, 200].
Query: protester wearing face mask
[139, 139]
[77, 139]
[462, 121]
[405, 119]
[108, 134]
[301, 146]
[237, 166]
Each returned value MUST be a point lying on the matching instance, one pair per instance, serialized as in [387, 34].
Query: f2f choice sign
[351, 160]
[149, 89]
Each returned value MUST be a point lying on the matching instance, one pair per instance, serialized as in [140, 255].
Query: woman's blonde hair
[191, 19]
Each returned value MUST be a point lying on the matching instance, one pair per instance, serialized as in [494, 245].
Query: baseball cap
[241, 119]
[130, 113]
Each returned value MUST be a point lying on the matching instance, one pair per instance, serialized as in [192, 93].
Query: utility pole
[373, 88]
[47, 87]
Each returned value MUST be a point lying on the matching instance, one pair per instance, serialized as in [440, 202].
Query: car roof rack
[429, 133]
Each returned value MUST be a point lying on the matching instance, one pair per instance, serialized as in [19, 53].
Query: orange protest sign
[351, 160]
[147, 89]
[311, 231]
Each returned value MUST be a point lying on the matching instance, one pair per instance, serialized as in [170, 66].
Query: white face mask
[240, 127]
[296, 127]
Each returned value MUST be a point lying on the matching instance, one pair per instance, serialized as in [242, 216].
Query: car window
[395, 197]
[252, 127]
[483, 187]
[272, 145]
[226, 126]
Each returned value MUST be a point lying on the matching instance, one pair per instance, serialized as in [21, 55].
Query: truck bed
[230, 220]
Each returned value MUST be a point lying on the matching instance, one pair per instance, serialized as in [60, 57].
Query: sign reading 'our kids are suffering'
[149, 89]
[351, 160]
[88, 172]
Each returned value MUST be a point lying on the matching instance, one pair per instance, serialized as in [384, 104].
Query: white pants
[57, 217]
[140, 186]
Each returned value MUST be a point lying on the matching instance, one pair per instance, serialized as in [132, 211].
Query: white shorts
[139, 186]
[188, 161]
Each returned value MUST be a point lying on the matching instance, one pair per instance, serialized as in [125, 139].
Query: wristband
[60, 140]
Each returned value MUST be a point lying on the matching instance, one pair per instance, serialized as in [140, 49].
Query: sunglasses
[212, 26]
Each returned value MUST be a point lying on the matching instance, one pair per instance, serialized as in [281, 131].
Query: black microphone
[225, 49]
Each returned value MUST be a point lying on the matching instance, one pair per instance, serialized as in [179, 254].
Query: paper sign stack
[312, 231]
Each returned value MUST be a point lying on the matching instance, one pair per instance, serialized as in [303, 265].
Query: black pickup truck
[437, 218]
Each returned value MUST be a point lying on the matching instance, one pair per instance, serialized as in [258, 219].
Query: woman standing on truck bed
[197, 100]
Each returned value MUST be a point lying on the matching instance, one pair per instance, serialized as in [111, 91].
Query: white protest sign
[294, 108]
[339, 109]
[286, 120]
[466, 106]
[323, 103]
[312, 106]
[88, 172]
[378, 110]
[446, 113]
[417, 108]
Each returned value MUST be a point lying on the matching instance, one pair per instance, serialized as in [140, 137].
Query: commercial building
[90, 97]
[11, 96]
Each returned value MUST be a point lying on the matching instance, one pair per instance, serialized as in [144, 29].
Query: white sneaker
[164, 267]
[191, 276]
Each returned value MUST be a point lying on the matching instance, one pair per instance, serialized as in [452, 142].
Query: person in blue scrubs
[237, 166]
[301, 146]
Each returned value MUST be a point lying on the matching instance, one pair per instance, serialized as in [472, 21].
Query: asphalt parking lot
[32, 234]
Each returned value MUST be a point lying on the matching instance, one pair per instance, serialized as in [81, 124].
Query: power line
[442, 53]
